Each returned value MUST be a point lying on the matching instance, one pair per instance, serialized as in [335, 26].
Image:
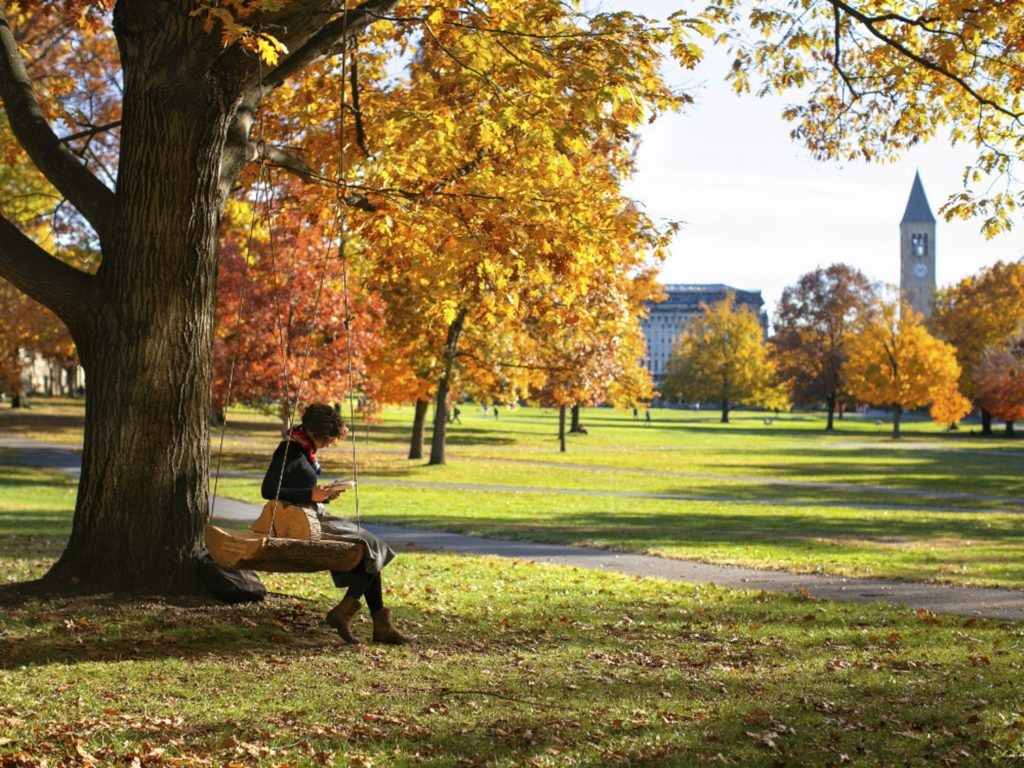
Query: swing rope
[340, 189]
[261, 184]
[338, 228]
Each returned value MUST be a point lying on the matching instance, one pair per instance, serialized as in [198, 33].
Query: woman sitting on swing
[320, 427]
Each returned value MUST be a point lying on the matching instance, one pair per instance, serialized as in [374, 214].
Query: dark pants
[367, 585]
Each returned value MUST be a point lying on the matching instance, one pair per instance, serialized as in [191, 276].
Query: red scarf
[298, 435]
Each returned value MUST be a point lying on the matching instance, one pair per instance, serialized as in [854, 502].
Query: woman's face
[323, 442]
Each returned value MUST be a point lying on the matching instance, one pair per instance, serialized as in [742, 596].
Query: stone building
[665, 319]
[917, 251]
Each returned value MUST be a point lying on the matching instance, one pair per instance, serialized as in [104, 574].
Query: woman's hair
[322, 421]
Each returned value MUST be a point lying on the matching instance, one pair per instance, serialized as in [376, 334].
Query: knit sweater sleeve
[297, 481]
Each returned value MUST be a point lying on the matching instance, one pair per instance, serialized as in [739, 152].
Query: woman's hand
[325, 493]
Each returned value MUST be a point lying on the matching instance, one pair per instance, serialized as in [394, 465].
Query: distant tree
[721, 357]
[893, 360]
[949, 406]
[979, 313]
[1000, 381]
[811, 323]
[589, 343]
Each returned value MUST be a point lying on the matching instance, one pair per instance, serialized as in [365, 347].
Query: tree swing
[287, 538]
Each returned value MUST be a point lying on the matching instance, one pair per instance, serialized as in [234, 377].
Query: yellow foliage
[721, 357]
[893, 360]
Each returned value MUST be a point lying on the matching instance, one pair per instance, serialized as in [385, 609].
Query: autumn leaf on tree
[980, 313]
[877, 79]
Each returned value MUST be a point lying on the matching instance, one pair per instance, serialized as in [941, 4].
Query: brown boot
[340, 617]
[383, 632]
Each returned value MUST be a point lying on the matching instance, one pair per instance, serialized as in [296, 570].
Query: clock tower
[917, 251]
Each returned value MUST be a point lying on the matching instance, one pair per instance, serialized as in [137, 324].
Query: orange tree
[26, 326]
[1000, 380]
[812, 320]
[892, 360]
[533, 199]
[588, 343]
[281, 314]
[721, 357]
[979, 313]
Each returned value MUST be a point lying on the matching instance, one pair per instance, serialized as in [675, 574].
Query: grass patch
[762, 491]
[514, 663]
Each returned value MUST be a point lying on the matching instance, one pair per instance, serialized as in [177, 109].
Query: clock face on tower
[920, 270]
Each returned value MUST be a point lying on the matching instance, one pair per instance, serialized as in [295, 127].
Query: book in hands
[340, 485]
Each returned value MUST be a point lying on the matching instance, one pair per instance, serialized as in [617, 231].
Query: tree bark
[896, 413]
[419, 423]
[451, 350]
[561, 428]
[1009, 429]
[831, 402]
[142, 498]
[574, 425]
[725, 412]
[986, 423]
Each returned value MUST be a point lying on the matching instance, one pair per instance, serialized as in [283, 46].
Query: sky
[757, 212]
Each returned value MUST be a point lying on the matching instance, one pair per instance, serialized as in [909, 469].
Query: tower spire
[918, 211]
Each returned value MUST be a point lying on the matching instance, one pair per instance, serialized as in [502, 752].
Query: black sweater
[299, 477]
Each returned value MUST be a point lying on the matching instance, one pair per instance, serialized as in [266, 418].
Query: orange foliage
[1000, 378]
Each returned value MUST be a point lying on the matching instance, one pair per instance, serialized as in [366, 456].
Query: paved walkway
[965, 601]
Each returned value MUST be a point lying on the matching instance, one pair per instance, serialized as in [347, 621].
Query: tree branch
[330, 39]
[35, 272]
[91, 131]
[870, 21]
[85, 191]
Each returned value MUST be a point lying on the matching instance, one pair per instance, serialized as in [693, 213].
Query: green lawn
[935, 505]
[514, 664]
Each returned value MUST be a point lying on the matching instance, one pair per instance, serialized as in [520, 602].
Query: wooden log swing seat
[284, 538]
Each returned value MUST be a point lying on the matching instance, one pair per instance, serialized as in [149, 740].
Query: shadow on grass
[666, 687]
[21, 420]
[920, 469]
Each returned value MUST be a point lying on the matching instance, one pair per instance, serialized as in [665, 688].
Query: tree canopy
[812, 320]
[721, 357]
[878, 78]
[892, 360]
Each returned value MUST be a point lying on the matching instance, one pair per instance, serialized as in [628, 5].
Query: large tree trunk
[419, 423]
[831, 403]
[725, 411]
[561, 428]
[142, 498]
[896, 413]
[451, 348]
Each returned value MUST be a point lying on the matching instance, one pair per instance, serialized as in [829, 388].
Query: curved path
[940, 598]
